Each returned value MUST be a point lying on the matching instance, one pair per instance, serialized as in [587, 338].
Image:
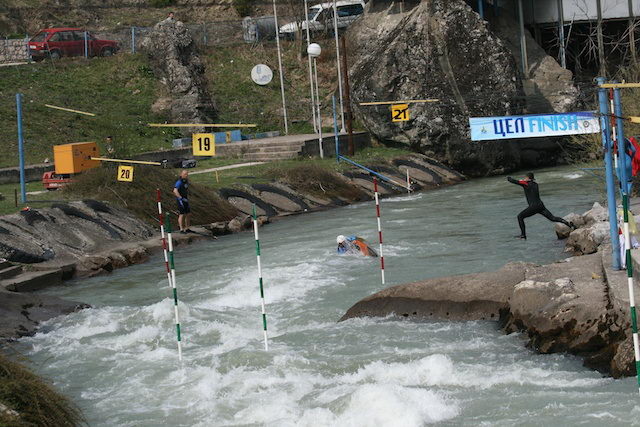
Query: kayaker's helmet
[340, 239]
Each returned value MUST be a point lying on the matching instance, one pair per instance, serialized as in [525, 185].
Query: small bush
[36, 402]
[243, 7]
[162, 3]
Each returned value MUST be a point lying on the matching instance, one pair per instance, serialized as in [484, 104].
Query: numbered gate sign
[125, 173]
[204, 144]
[400, 112]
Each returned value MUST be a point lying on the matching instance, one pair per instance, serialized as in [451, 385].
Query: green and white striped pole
[264, 312]
[173, 286]
[632, 299]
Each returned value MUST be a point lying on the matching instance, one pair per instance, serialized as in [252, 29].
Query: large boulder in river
[437, 49]
[175, 61]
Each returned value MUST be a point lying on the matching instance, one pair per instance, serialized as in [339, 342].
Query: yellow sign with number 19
[125, 173]
[204, 144]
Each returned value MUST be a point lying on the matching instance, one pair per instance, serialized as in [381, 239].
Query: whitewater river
[118, 361]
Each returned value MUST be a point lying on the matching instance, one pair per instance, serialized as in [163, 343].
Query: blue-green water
[119, 359]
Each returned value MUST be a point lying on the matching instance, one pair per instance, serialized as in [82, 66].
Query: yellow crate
[76, 157]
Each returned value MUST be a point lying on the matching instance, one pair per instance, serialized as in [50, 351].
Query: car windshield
[313, 12]
[40, 36]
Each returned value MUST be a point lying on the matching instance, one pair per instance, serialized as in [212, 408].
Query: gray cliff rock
[176, 63]
[441, 49]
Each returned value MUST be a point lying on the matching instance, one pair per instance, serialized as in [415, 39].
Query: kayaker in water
[354, 245]
[536, 206]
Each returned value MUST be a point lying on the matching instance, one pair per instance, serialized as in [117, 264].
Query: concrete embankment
[577, 306]
[43, 247]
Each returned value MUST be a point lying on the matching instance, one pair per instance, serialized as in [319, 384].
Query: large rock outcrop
[562, 307]
[441, 49]
[175, 61]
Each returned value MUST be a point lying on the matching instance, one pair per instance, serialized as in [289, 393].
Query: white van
[321, 18]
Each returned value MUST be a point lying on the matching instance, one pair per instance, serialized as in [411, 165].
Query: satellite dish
[261, 74]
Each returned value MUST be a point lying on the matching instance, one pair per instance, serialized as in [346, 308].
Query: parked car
[58, 42]
[321, 18]
[51, 181]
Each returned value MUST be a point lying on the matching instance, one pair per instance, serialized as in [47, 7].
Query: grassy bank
[122, 89]
[35, 401]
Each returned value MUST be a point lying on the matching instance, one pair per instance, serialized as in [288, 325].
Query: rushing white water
[119, 362]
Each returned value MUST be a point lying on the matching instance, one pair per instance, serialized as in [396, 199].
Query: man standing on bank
[181, 191]
[536, 206]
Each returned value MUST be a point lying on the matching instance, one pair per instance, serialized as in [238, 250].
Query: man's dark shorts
[183, 207]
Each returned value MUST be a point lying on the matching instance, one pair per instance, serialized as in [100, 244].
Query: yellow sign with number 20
[125, 173]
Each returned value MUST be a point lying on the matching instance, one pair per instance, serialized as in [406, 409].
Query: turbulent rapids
[119, 361]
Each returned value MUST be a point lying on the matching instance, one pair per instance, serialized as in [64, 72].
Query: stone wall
[14, 50]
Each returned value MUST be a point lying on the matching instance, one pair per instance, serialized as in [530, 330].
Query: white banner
[532, 126]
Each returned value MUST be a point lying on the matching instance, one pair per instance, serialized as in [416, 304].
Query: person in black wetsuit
[536, 206]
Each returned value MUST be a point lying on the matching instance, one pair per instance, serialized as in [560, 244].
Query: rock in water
[437, 49]
[175, 62]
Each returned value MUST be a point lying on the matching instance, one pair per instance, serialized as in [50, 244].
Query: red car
[58, 42]
[51, 181]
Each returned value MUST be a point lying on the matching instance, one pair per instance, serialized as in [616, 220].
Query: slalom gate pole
[632, 299]
[173, 285]
[375, 190]
[408, 183]
[163, 236]
[264, 312]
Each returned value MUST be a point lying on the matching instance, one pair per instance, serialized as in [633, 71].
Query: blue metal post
[481, 8]
[335, 130]
[622, 143]
[23, 190]
[608, 163]
[133, 39]
[86, 46]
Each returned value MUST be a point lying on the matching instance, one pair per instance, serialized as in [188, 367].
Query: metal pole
[264, 312]
[375, 192]
[408, 182]
[335, 129]
[622, 143]
[632, 297]
[335, 34]
[632, 35]
[600, 39]
[481, 8]
[163, 237]
[173, 286]
[614, 136]
[608, 163]
[133, 39]
[315, 71]
[86, 46]
[284, 102]
[523, 41]
[23, 189]
[347, 96]
[313, 101]
[563, 56]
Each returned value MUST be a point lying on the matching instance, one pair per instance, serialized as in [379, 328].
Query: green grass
[37, 402]
[8, 205]
[119, 90]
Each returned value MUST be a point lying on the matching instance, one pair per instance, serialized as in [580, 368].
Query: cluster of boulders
[591, 232]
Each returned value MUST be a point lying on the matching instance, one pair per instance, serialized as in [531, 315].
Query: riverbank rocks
[176, 63]
[587, 240]
[560, 307]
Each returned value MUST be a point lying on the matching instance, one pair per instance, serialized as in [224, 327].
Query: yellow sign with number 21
[400, 112]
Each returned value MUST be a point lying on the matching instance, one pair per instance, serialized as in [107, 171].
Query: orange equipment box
[76, 157]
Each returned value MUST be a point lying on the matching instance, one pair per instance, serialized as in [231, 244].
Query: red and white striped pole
[163, 236]
[375, 189]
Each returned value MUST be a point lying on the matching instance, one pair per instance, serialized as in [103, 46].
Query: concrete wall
[32, 173]
[13, 50]
[312, 149]
[546, 11]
